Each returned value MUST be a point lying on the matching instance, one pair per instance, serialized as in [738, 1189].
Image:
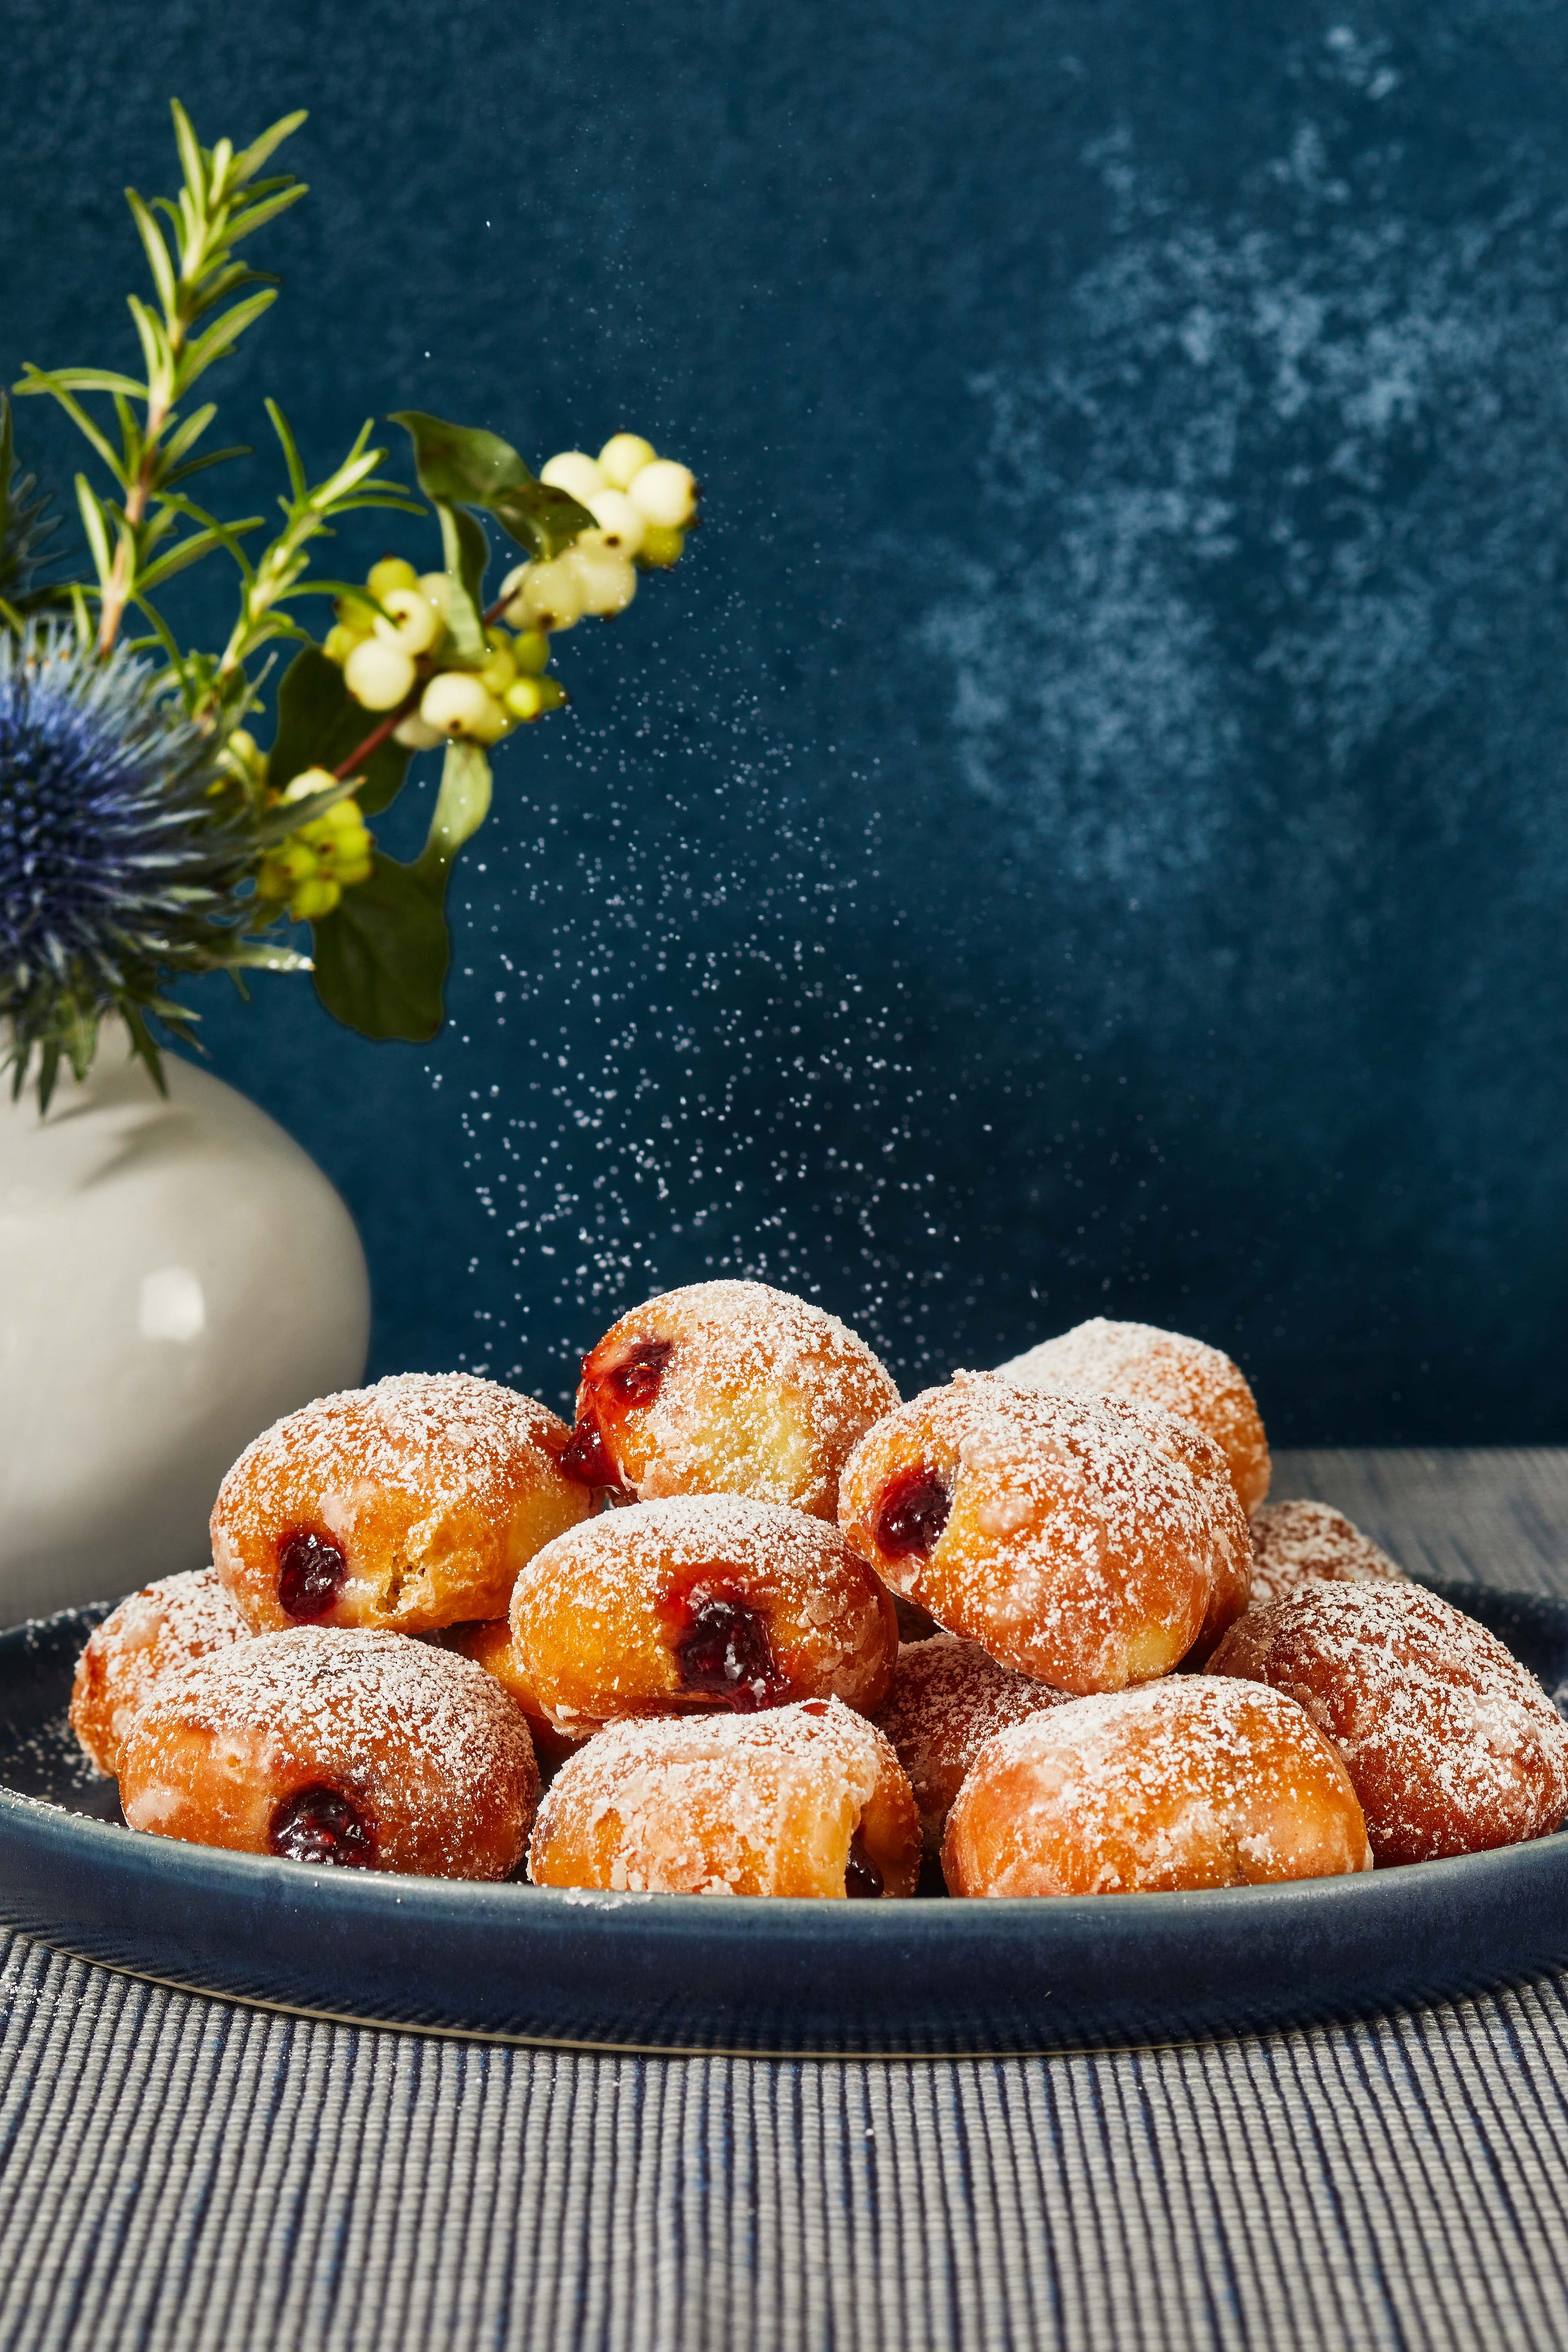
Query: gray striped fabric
[176, 2172]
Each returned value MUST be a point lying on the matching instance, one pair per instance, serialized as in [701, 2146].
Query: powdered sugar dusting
[429, 1434]
[1160, 1786]
[596, 1614]
[643, 1547]
[1301, 1543]
[763, 1394]
[151, 1632]
[714, 1804]
[1119, 1520]
[1163, 1368]
[948, 1697]
[1452, 1745]
[396, 1717]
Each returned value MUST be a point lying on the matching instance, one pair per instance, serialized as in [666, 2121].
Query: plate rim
[1365, 1910]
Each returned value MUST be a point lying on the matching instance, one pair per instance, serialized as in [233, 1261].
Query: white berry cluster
[642, 505]
[391, 649]
[391, 645]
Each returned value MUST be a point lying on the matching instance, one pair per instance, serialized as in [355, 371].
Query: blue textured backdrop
[1087, 831]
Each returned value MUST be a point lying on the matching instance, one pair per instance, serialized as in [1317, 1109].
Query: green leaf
[460, 465]
[380, 955]
[96, 527]
[97, 380]
[251, 158]
[461, 806]
[320, 725]
[218, 339]
[157, 252]
[190, 150]
[541, 517]
[468, 551]
[36, 380]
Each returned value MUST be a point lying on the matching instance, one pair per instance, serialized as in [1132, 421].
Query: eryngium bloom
[117, 869]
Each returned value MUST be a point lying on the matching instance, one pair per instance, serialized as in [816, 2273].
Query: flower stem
[379, 735]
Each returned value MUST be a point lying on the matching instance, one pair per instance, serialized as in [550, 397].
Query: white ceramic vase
[174, 1274]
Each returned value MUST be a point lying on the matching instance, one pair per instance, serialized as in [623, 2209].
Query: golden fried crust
[1299, 1543]
[804, 1800]
[1081, 1540]
[422, 1751]
[732, 1388]
[1452, 1746]
[1164, 1367]
[948, 1697]
[490, 1645]
[1155, 1790]
[161, 1626]
[423, 1497]
[696, 1604]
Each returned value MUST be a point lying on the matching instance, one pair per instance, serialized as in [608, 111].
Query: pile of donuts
[754, 1626]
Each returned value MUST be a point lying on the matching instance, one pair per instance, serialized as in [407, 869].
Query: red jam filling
[861, 1876]
[319, 1824]
[310, 1573]
[586, 1457]
[636, 1379]
[723, 1649]
[913, 1512]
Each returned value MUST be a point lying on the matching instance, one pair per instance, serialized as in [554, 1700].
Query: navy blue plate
[667, 1972]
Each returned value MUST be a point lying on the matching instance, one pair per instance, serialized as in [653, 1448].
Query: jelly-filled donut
[411, 1505]
[1295, 1544]
[178, 1618]
[338, 1745]
[948, 1697]
[806, 1799]
[1163, 1368]
[1154, 1790]
[1452, 1746]
[1081, 1540]
[490, 1645]
[727, 1388]
[701, 1602]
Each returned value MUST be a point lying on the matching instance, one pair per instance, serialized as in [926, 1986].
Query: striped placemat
[176, 2172]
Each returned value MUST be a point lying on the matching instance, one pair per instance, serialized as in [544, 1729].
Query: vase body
[174, 1274]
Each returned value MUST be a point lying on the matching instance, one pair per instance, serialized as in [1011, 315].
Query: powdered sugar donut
[490, 1645]
[806, 1799]
[1081, 1540]
[727, 1388]
[698, 1603]
[1153, 1791]
[948, 1697]
[340, 1745]
[1163, 1368]
[1453, 1746]
[1300, 1543]
[411, 1505]
[161, 1627]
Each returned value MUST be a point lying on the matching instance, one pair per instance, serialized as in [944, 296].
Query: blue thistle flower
[118, 862]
